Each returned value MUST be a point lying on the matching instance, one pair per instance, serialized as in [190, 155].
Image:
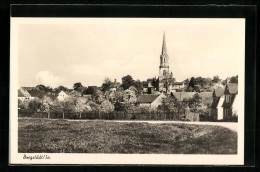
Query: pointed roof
[218, 92]
[164, 49]
[231, 88]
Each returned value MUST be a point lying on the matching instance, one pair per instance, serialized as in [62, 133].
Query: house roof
[215, 102]
[20, 94]
[187, 95]
[149, 85]
[147, 98]
[219, 91]
[28, 88]
[232, 87]
[178, 83]
[183, 95]
[35, 92]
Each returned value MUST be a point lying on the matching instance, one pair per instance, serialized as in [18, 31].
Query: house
[206, 97]
[178, 85]
[230, 104]
[21, 96]
[62, 95]
[151, 100]
[225, 102]
[30, 93]
[216, 107]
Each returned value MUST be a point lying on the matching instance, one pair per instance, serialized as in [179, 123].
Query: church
[165, 80]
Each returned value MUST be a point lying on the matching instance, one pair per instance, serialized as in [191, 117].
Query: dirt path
[230, 125]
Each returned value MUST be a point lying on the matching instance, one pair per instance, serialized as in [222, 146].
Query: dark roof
[150, 79]
[219, 91]
[181, 95]
[28, 88]
[147, 98]
[215, 102]
[178, 83]
[35, 93]
[187, 95]
[20, 94]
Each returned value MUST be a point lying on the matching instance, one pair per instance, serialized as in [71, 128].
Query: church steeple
[164, 49]
[164, 60]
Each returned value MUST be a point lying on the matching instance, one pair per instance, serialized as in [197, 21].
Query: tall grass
[62, 136]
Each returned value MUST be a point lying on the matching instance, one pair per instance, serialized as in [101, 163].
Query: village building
[21, 96]
[177, 86]
[29, 93]
[151, 100]
[62, 95]
[225, 102]
[216, 107]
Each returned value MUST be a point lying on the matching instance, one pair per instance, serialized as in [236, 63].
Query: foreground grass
[54, 136]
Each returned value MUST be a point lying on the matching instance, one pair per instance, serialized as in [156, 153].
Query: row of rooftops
[218, 92]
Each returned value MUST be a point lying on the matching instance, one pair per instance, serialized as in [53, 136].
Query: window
[227, 98]
[164, 72]
[164, 60]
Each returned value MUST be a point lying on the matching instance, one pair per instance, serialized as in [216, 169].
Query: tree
[107, 106]
[215, 79]
[234, 79]
[119, 106]
[119, 95]
[77, 85]
[192, 83]
[47, 105]
[171, 105]
[34, 105]
[62, 88]
[44, 88]
[195, 102]
[186, 81]
[89, 90]
[129, 99]
[132, 88]
[80, 106]
[106, 84]
[67, 105]
[41, 87]
[127, 81]
[21, 104]
[139, 86]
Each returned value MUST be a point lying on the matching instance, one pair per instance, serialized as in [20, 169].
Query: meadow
[100, 136]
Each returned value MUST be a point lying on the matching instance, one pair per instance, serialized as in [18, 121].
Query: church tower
[164, 61]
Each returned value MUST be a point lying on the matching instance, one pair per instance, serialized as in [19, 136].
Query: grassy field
[57, 136]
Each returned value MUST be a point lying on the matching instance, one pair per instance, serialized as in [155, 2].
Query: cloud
[48, 79]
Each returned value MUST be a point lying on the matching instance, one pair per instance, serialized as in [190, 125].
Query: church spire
[164, 49]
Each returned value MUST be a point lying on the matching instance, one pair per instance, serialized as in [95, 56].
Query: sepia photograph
[127, 90]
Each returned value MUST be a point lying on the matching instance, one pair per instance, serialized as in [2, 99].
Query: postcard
[165, 91]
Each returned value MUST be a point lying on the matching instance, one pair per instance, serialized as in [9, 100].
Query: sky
[62, 51]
